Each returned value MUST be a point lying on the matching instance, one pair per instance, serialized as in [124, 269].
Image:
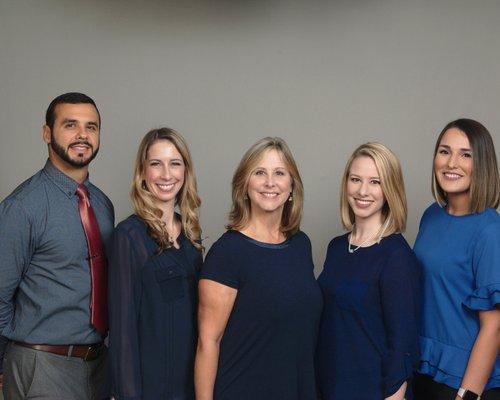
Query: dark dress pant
[34, 374]
[425, 388]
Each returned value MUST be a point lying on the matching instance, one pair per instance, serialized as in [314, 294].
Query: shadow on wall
[185, 15]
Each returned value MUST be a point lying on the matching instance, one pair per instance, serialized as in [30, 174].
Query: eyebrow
[91, 123]
[371, 177]
[448, 147]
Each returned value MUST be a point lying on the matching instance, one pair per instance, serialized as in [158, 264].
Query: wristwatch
[466, 394]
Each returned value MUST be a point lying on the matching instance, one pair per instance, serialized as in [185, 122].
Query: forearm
[400, 394]
[205, 369]
[482, 359]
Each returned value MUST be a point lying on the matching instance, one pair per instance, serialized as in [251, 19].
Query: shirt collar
[61, 180]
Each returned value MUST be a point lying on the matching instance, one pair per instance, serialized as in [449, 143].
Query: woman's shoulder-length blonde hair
[394, 210]
[485, 182]
[240, 213]
[187, 199]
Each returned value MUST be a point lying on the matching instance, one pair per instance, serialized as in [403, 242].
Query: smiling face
[74, 139]
[453, 164]
[364, 191]
[164, 172]
[270, 184]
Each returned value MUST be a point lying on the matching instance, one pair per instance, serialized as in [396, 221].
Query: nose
[452, 160]
[82, 133]
[165, 173]
[269, 181]
[364, 188]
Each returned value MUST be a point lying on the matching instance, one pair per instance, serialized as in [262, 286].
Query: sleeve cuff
[484, 298]
[398, 369]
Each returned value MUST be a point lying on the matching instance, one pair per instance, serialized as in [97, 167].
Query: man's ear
[46, 134]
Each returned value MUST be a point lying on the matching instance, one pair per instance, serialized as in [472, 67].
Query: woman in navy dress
[153, 272]
[259, 302]
[367, 345]
[458, 245]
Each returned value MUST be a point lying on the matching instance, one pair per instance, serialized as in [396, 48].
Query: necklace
[351, 249]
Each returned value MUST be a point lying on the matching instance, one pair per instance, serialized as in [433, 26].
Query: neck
[265, 228]
[366, 228]
[77, 174]
[458, 204]
[168, 214]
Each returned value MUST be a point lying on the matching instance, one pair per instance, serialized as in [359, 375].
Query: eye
[443, 151]
[467, 155]
[259, 172]
[280, 173]
[375, 182]
[354, 179]
[154, 163]
[176, 163]
[70, 125]
[92, 128]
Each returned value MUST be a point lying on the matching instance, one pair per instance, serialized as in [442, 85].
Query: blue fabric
[152, 315]
[460, 256]
[44, 267]
[368, 344]
[267, 350]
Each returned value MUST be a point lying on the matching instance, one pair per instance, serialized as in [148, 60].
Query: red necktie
[97, 261]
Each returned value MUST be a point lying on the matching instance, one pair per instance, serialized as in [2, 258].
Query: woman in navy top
[458, 245]
[367, 345]
[259, 302]
[153, 272]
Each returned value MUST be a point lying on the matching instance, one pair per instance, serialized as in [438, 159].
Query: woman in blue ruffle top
[458, 245]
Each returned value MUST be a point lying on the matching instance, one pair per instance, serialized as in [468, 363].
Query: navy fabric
[44, 267]
[368, 345]
[267, 350]
[152, 315]
[460, 257]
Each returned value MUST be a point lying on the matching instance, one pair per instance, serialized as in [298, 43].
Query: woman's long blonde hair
[395, 210]
[187, 199]
[239, 216]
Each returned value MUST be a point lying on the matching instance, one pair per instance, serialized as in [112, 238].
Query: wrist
[466, 394]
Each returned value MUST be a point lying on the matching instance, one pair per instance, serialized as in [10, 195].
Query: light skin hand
[400, 394]
[484, 352]
[215, 304]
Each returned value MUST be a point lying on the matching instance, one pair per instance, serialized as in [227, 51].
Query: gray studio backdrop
[324, 75]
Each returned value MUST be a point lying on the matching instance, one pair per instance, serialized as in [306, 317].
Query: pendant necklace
[351, 249]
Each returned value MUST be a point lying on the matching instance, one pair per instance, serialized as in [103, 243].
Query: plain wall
[325, 76]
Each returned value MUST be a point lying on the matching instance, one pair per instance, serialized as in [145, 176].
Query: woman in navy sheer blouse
[458, 245]
[367, 345]
[259, 302]
[153, 272]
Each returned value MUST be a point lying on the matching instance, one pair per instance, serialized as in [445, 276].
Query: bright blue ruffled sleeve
[486, 269]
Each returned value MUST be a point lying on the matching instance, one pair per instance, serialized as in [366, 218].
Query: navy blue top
[367, 345]
[152, 315]
[267, 350]
[460, 256]
[44, 266]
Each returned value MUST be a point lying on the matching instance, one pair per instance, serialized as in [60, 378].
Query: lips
[269, 195]
[452, 176]
[362, 203]
[80, 146]
[165, 187]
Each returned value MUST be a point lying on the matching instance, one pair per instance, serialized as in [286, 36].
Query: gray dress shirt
[44, 268]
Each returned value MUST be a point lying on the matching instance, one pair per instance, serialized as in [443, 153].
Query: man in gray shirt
[50, 345]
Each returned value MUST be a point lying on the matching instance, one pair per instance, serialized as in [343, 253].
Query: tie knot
[82, 191]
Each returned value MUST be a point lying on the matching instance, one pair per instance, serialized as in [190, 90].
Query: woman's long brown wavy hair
[187, 199]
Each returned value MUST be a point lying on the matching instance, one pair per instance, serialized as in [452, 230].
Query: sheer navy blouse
[152, 315]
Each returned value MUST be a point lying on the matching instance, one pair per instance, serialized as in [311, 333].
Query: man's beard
[63, 153]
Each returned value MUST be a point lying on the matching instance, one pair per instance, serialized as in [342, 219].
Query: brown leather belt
[87, 353]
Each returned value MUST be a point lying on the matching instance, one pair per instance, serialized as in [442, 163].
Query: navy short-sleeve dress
[267, 350]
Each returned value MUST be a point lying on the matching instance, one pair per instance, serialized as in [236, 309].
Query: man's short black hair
[67, 98]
